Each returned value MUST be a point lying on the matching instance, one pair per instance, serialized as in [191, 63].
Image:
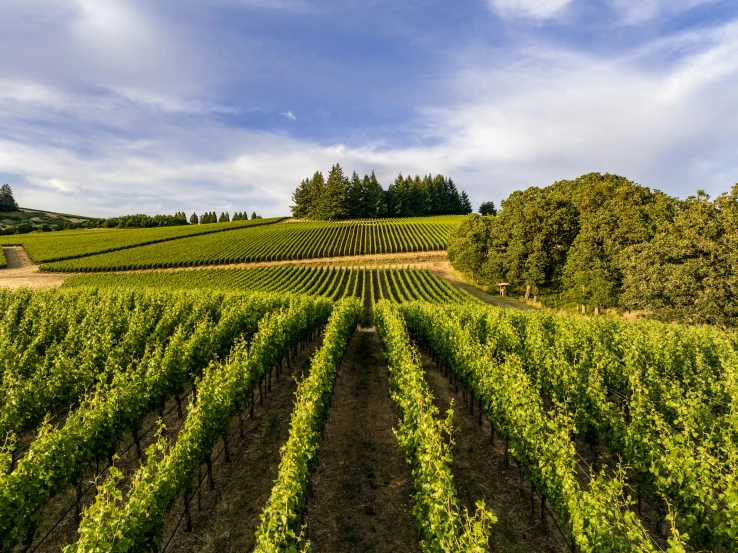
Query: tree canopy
[488, 208]
[604, 241]
[355, 197]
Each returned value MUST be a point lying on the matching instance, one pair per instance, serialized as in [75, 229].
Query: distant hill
[37, 219]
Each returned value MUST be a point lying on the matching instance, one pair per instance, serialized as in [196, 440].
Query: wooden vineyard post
[78, 503]
[188, 518]
[226, 451]
[179, 406]
[527, 292]
[211, 481]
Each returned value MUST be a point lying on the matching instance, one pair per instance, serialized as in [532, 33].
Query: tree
[224, 218]
[193, 219]
[307, 194]
[488, 208]
[468, 247]
[7, 201]
[255, 216]
[466, 205]
[333, 202]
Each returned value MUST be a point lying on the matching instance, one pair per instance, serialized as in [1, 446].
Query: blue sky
[112, 107]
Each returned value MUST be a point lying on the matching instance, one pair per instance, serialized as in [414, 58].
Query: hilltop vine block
[286, 241]
[45, 247]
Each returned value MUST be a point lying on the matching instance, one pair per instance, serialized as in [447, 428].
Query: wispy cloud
[289, 115]
[634, 12]
[537, 9]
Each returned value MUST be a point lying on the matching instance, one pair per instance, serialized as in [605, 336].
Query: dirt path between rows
[23, 273]
[479, 472]
[362, 484]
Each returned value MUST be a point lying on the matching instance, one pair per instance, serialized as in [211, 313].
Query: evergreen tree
[333, 202]
[355, 200]
[255, 216]
[376, 205]
[7, 201]
[194, 219]
[466, 206]
[224, 218]
[488, 208]
[305, 195]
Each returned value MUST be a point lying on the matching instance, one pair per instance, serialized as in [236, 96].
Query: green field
[3, 263]
[44, 247]
[285, 241]
[335, 283]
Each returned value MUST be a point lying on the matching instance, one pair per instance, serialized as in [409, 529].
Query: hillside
[37, 220]
[301, 240]
[312, 381]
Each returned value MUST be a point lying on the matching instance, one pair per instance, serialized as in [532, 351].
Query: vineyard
[45, 247]
[399, 285]
[3, 263]
[258, 409]
[288, 241]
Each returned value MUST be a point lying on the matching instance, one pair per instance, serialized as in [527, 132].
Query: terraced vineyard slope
[287, 241]
[332, 282]
[44, 247]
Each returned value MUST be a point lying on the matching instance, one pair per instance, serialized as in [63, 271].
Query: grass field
[298, 240]
[335, 283]
[44, 247]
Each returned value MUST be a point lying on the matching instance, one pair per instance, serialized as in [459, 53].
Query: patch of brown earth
[362, 484]
[21, 272]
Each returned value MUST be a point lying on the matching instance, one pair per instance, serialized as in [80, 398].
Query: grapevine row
[59, 455]
[279, 529]
[421, 436]
[597, 519]
[3, 262]
[332, 282]
[111, 524]
[662, 397]
[48, 247]
[274, 243]
[104, 335]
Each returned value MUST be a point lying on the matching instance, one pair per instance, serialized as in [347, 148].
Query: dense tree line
[343, 197]
[145, 221]
[603, 241]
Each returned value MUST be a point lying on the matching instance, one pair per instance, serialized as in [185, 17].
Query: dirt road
[22, 272]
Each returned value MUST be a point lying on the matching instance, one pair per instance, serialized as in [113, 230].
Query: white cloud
[537, 9]
[634, 12]
[289, 115]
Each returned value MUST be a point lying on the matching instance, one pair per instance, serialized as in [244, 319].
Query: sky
[132, 106]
